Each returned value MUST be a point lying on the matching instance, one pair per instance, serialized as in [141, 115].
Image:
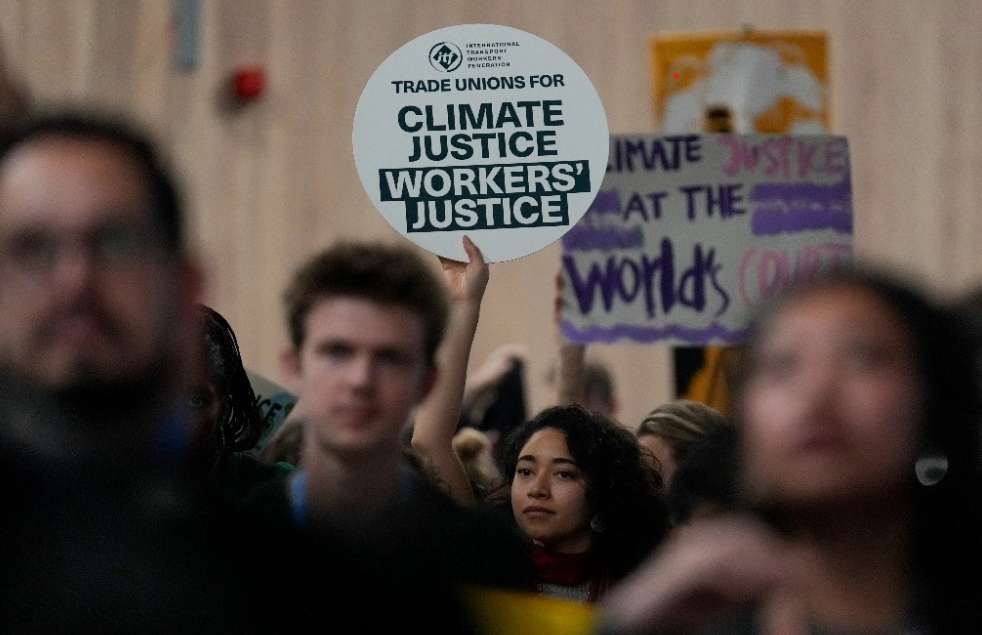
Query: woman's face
[832, 405]
[548, 494]
[206, 410]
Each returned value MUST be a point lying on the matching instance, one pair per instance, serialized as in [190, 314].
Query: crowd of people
[399, 491]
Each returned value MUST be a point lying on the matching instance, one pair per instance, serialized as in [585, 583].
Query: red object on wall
[249, 83]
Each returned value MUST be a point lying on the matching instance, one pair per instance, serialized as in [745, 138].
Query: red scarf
[568, 569]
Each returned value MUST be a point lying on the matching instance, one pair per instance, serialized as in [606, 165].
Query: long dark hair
[945, 521]
[241, 420]
[621, 488]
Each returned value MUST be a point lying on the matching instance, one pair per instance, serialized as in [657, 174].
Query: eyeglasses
[111, 247]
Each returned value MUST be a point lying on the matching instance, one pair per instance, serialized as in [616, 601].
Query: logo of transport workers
[445, 56]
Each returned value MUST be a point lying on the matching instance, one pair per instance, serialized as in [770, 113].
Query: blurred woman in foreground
[848, 381]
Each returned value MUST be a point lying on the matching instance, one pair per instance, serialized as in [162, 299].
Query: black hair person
[705, 481]
[627, 517]
[236, 421]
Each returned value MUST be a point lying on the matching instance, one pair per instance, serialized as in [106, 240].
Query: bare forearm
[437, 417]
[570, 373]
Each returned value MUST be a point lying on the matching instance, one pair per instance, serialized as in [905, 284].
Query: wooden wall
[269, 185]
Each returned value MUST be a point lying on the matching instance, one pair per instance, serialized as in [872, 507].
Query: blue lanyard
[298, 497]
[297, 493]
[173, 437]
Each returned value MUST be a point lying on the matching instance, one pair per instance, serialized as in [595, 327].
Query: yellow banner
[506, 613]
[741, 81]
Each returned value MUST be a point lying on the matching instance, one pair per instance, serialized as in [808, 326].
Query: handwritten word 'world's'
[659, 278]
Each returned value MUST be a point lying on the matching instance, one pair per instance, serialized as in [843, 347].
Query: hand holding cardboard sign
[466, 281]
[485, 130]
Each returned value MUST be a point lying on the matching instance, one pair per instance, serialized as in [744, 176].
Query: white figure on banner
[754, 83]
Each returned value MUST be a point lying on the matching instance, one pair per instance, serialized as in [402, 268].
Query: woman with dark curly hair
[582, 494]
[578, 487]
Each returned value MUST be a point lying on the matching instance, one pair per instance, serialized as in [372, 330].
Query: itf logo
[445, 56]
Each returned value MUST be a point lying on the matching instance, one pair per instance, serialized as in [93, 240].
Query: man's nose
[73, 269]
[361, 372]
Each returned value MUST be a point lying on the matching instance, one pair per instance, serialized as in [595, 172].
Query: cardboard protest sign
[745, 81]
[773, 81]
[690, 232]
[481, 130]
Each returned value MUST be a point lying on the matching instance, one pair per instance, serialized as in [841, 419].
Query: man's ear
[290, 368]
[188, 280]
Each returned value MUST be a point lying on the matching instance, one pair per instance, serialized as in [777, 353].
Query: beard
[93, 418]
[100, 401]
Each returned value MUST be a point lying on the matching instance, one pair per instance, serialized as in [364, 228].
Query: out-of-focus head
[670, 429]
[365, 320]
[469, 444]
[95, 287]
[475, 451]
[705, 483]
[847, 379]
[377, 272]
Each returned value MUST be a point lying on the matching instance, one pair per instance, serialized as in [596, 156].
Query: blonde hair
[681, 423]
[473, 448]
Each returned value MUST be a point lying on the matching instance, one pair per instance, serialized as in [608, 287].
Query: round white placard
[485, 131]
